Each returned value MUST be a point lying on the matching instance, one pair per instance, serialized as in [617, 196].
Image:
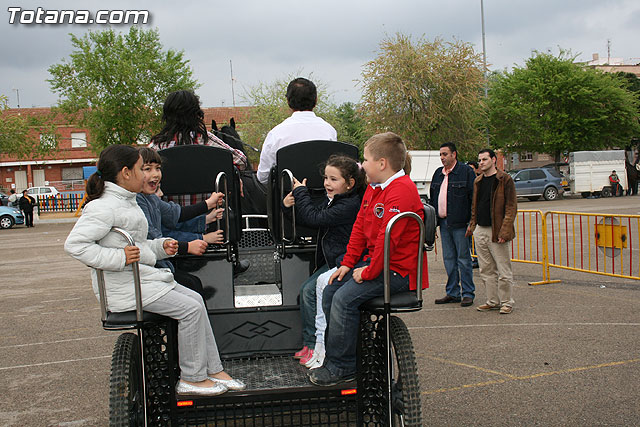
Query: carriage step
[262, 295]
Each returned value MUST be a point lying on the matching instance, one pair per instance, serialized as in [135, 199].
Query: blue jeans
[341, 302]
[457, 261]
[308, 308]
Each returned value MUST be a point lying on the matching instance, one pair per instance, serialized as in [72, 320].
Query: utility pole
[484, 60]
[608, 51]
[233, 94]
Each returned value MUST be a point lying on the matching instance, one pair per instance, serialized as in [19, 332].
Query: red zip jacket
[377, 208]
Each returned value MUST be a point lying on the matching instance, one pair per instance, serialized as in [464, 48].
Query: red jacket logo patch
[378, 210]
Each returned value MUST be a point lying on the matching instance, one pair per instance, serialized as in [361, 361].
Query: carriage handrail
[287, 172]
[136, 280]
[387, 293]
[387, 254]
[226, 205]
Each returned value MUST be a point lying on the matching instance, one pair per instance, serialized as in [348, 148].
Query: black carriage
[256, 320]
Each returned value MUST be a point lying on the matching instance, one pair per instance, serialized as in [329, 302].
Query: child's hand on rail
[214, 200]
[297, 183]
[214, 237]
[170, 247]
[214, 215]
[132, 254]
[289, 200]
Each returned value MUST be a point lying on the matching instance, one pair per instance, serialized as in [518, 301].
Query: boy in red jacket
[360, 277]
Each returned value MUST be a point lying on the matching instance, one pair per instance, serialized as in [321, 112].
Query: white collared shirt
[300, 126]
[393, 177]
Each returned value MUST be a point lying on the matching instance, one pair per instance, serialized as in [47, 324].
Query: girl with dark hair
[344, 182]
[112, 203]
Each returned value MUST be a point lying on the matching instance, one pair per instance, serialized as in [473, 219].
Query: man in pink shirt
[451, 193]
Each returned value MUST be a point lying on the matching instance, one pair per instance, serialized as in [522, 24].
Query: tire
[606, 192]
[533, 198]
[406, 388]
[550, 193]
[6, 221]
[125, 398]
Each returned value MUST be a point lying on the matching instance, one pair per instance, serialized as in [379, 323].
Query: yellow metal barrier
[593, 243]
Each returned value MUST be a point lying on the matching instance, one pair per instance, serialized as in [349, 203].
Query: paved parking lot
[569, 354]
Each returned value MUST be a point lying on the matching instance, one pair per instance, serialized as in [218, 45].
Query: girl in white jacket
[111, 193]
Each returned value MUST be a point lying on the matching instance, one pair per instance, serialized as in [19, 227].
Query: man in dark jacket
[451, 192]
[26, 204]
[494, 211]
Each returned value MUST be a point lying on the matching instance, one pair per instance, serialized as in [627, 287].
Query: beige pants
[494, 260]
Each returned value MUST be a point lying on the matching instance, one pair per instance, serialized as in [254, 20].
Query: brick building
[64, 169]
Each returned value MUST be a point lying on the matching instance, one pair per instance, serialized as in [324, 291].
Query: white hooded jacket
[93, 243]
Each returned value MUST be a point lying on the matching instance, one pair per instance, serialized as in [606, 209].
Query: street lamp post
[484, 60]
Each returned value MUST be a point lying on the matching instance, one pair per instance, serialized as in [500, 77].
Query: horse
[254, 200]
[632, 178]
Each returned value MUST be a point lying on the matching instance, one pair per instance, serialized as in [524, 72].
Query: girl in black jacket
[344, 182]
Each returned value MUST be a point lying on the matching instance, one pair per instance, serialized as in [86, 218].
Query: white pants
[197, 348]
[321, 320]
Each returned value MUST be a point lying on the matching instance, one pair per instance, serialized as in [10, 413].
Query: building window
[70, 174]
[78, 139]
[48, 140]
[526, 157]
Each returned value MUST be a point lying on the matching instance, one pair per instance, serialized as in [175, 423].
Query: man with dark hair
[493, 213]
[303, 125]
[451, 192]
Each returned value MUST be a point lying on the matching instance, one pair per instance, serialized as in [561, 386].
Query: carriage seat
[400, 302]
[127, 319]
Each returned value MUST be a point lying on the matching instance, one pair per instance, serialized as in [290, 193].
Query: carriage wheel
[406, 388]
[125, 391]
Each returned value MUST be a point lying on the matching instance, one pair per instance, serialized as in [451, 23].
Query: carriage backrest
[303, 160]
[194, 169]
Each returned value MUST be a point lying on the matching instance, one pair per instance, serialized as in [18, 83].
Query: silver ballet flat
[214, 390]
[233, 384]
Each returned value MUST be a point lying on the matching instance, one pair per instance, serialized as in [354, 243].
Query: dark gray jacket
[459, 194]
[333, 221]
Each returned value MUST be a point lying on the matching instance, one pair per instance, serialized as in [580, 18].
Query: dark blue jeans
[457, 261]
[308, 308]
[341, 302]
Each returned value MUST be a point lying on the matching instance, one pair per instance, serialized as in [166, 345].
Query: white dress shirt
[301, 126]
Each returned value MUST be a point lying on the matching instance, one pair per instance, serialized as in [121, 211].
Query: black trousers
[28, 218]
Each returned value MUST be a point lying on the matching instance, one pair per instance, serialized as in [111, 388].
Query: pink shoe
[306, 358]
[301, 353]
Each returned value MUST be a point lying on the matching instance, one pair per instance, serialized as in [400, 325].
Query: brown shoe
[505, 309]
[447, 299]
[487, 307]
[466, 301]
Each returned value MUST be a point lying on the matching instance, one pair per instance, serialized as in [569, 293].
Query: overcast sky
[268, 40]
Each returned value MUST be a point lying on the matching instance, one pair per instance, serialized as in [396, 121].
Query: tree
[26, 135]
[270, 108]
[427, 92]
[552, 105]
[350, 124]
[117, 83]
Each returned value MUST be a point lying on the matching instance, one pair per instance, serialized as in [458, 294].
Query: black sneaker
[241, 266]
[323, 377]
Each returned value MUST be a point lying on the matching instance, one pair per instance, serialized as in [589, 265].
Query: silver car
[535, 182]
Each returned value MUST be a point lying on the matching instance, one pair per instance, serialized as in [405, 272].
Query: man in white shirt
[302, 125]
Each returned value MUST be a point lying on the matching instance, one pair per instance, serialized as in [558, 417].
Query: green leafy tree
[270, 107]
[117, 84]
[552, 105]
[350, 124]
[26, 135]
[427, 92]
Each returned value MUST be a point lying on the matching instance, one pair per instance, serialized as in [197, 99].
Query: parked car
[4, 199]
[10, 216]
[42, 192]
[535, 182]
